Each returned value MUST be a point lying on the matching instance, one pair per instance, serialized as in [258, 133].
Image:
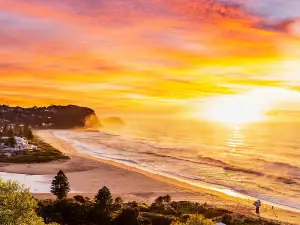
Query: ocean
[261, 160]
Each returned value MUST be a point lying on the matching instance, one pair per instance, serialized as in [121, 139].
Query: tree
[196, 219]
[104, 199]
[80, 198]
[17, 205]
[5, 129]
[119, 200]
[18, 130]
[100, 217]
[10, 132]
[60, 185]
[117, 204]
[26, 130]
[129, 216]
[30, 135]
[163, 200]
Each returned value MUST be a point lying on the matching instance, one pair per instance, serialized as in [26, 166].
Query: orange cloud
[133, 55]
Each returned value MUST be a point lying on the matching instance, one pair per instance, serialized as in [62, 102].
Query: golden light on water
[244, 108]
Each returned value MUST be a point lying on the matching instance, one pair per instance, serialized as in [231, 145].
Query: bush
[227, 219]
[100, 217]
[65, 211]
[80, 198]
[162, 200]
[119, 200]
[196, 219]
[17, 205]
[157, 219]
[128, 216]
[164, 209]
[187, 207]
[133, 204]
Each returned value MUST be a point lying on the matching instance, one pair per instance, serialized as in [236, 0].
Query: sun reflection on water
[235, 141]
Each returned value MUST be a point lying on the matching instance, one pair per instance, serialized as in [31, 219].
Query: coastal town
[18, 144]
[14, 138]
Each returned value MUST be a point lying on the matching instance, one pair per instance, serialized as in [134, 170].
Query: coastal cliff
[52, 117]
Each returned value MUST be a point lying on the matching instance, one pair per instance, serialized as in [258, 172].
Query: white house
[21, 144]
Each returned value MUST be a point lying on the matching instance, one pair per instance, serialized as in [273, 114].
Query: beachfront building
[21, 144]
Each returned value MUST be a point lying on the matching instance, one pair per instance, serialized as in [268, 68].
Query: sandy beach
[88, 174]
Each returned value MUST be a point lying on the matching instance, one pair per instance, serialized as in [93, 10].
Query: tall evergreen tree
[104, 199]
[60, 185]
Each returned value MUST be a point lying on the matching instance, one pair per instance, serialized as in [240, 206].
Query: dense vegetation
[54, 117]
[19, 207]
[105, 210]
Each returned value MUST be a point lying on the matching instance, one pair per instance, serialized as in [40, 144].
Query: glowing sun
[245, 108]
[233, 110]
[249, 107]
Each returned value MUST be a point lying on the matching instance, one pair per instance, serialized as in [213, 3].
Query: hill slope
[54, 117]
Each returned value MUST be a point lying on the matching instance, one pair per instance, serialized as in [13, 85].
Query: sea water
[261, 160]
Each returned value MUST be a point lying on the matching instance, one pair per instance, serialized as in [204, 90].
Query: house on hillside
[21, 144]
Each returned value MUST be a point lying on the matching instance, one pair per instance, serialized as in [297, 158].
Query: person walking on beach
[257, 204]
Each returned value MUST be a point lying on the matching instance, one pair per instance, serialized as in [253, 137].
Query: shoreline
[135, 183]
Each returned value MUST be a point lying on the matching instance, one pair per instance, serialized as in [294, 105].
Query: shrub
[80, 198]
[162, 200]
[196, 219]
[17, 205]
[119, 200]
[100, 217]
[157, 219]
[128, 216]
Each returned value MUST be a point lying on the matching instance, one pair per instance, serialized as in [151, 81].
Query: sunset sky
[150, 56]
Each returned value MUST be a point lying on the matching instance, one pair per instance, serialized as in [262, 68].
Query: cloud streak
[106, 50]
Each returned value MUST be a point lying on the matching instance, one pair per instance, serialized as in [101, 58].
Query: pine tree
[104, 199]
[60, 185]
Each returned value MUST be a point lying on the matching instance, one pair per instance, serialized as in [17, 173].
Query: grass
[45, 153]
